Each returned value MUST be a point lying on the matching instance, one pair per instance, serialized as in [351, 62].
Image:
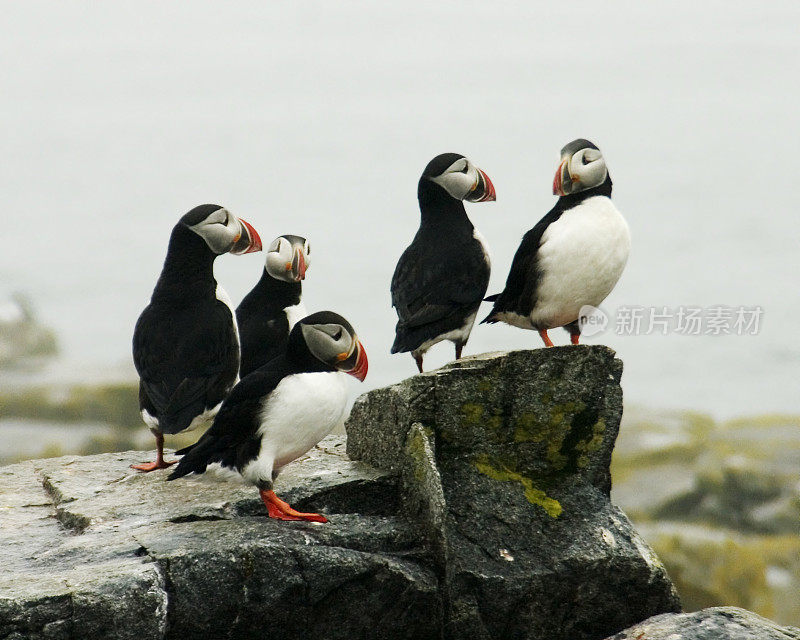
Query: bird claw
[280, 510]
[146, 467]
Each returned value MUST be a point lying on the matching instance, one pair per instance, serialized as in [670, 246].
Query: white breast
[581, 257]
[486, 255]
[300, 412]
[294, 313]
[223, 297]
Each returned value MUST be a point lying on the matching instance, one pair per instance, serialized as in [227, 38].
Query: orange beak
[362, 364]
[299, 265]
[558, 181]
[248, 242]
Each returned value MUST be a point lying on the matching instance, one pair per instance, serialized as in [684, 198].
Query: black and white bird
[442, 276]
[186, 344]
[280, 411]
[573, 257]
[267, 314]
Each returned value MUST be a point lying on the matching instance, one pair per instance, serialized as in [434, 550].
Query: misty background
[317, 119]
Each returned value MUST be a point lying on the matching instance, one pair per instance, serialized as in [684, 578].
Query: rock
[91, 549]
[504, 460]
[718, 623]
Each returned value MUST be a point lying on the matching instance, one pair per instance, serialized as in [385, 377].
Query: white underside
[299, 412]
[202, 420]
[457, 335]
[581, 257]
[294, 313]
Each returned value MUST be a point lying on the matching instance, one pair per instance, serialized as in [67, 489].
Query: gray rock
[718, 623]
[474, 504]
[92, 549]
[505, 460]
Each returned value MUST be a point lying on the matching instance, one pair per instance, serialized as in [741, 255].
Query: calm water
[317, 118]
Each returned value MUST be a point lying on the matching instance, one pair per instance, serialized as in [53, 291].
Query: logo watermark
[686, 320]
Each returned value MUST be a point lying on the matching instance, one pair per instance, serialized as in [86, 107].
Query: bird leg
[545, 338]
[160, 463]
[418, 360]
[574, 338]
[280, 510]
[459, 347]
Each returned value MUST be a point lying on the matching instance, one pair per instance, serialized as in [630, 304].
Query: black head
[222, 231]
[325, 341]
[288, 257]
[459, 178]
[582, 167]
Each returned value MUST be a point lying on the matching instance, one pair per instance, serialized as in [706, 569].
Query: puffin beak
[483, 191]
[248, 240]
[299, 265]
[558, 181]
[359, 370]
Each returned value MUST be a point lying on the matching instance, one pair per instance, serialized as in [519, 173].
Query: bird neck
[188, 271]
[439, 209]
[273, 293]
[573, 199]
[298, 358]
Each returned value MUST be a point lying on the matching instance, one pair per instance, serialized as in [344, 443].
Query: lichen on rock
[510, 476]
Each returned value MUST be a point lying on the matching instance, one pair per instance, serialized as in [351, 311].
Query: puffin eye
[338, 335]
[466, 168]
[585, 159]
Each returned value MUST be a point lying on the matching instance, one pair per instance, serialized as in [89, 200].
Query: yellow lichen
[532, 494]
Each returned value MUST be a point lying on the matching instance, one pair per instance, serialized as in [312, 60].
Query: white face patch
[588, 169]
[220, 230]
[459, 179]
[282, 260]
[328, 342]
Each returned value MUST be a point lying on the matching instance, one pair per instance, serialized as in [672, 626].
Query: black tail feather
[492, 298]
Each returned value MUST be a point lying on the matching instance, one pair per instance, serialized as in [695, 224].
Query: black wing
[436, 285]
[232, 438]
[187, 360]
[519, 295]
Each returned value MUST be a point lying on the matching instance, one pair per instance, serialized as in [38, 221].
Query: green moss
[533, 495]
[415, 448]
[529, 428]
[472, 413]
[585, 447]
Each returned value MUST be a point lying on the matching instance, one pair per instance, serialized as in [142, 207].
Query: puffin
[442, 276]
[282, 409]
[573, 256]
[186, 343]
[267, 314]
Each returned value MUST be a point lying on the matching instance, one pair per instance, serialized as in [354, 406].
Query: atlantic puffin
[573, 257]
[186, 344]
[442, 276]
[281, 410]
[267, 314]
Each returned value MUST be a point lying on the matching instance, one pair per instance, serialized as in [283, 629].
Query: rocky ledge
[715, 623]
[472, 502]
